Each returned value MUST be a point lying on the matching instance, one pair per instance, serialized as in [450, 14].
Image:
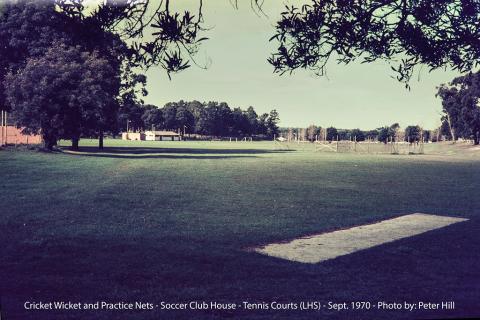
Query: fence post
[1, 129]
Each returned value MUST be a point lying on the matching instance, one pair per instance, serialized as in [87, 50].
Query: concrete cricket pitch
[322, 247]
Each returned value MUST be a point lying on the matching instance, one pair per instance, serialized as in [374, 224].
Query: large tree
[63, 94]
[28, 31]
[460, 101]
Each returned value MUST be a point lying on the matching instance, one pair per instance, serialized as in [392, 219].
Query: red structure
[13, 135]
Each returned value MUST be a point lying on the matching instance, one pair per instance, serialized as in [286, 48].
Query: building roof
[162, 133]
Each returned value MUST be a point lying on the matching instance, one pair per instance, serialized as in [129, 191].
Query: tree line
[385, 134]
[212, 118]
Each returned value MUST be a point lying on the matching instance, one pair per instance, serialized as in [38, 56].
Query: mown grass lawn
[172, 221]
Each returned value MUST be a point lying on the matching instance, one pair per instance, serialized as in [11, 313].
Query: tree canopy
[460, 101]
[211, 118]
[405, 33]
[413, 134]
[64, 93]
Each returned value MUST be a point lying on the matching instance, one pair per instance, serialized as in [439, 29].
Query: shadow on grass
[167, 153]
[440, 265]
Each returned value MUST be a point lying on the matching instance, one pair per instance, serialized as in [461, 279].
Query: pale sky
[354, 96]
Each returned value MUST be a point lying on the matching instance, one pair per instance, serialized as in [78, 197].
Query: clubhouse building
[152, 136]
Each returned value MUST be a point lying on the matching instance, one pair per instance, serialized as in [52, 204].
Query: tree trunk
[49, 142]
[100, 140]
[75, 141]
[476, 139]
[452, 130]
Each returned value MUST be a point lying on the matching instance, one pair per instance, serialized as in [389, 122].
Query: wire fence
[346, 146]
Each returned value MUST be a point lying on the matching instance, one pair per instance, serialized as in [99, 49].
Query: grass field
[171, 221]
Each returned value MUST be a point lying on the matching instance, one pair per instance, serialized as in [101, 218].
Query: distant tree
[201, 122]
[130, 117]
[343, 134]
[272, 123]
[322, 134]
[311, 132]
[63, 94]
[302, 134]
[427, 135]
[223, 120]
[197, 109]
[240, 123]
[252, 120]
[290, 135]
[385, 134]
[413, 134]
[218, 119]
[445, 130]
[170, 116]
[395, 128]
[357, 135]
[152, 117]
[371, 134]
[262, 126]
[332, 134]
[184, 118]
[435, 135]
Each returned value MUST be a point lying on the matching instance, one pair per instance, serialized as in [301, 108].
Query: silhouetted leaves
[405, 33]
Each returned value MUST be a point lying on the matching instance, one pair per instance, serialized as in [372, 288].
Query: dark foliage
[460, 106]
[405, 33]
[332, 134]
[208, 119]
[413, 134]
[64, 94]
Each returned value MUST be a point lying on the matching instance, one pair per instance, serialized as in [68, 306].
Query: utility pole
[3, 127]
[1, 132]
